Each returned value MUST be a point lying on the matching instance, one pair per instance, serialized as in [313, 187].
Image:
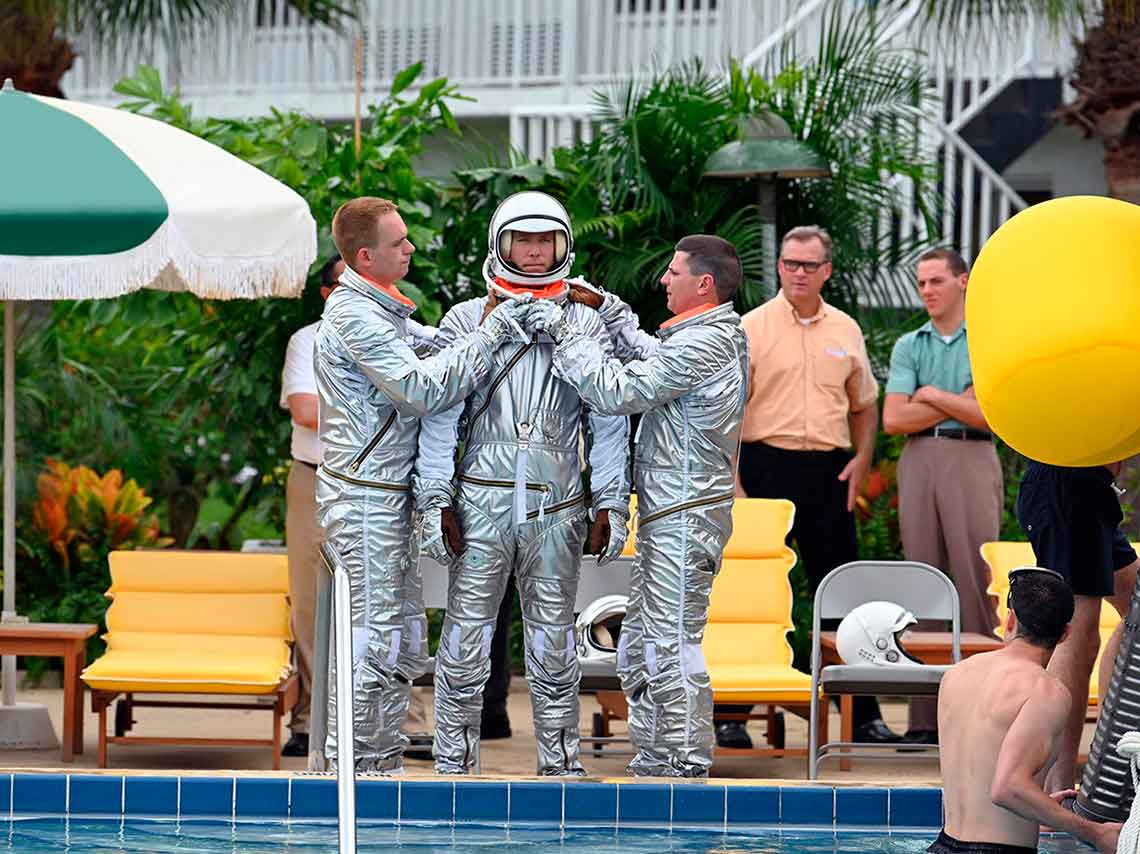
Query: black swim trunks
[947, 844]
[1072, 517]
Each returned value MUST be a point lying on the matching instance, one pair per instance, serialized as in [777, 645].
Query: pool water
[93, 836]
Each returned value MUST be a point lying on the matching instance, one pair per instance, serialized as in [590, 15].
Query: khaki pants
[303, 539]
[950, 502]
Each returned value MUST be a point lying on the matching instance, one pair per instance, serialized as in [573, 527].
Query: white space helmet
[531, 212]
[870, 634]
[598, 627]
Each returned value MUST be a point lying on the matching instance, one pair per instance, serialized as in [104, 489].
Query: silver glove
[549, 317]
[506, 321]
[618, 535]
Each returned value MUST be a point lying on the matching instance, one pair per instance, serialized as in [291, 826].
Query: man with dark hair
[690, 383]
[1002, 721]
[1072, 517]
[950, 482]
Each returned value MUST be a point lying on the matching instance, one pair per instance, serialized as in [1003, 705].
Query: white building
[532, 65]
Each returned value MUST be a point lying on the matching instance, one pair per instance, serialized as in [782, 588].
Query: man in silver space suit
[691, 383]
[518, 504]
[373, 391]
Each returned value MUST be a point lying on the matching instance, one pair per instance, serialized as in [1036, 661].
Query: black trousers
[499, 682]
[823, 530]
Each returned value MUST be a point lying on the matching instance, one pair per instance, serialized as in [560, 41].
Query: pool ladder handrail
[345, 730]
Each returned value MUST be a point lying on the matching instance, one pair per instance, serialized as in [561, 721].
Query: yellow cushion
[753, 591]
[750, 610]
[265, 614]
[200, 665]
[198, 572]
[197, 622]
[759, 528]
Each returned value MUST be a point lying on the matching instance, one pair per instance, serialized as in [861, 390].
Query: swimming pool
[114, 813]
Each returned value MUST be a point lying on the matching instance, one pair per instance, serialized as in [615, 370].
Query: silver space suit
[691, 383]
[522, 508]
[373, 391]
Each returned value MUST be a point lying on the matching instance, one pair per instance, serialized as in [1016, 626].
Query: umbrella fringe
[164, 261]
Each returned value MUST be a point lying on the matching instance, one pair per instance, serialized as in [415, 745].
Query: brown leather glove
[586, 296]
[452, 533]
[599, 533]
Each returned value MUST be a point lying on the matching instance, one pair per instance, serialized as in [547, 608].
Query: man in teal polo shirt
[950, 482]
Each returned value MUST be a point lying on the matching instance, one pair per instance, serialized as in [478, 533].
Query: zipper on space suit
[521, 457]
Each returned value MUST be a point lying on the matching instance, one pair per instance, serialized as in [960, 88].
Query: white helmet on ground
[598, 627]
[531, 212]
[870, 634]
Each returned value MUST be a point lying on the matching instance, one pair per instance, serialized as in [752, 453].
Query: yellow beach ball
[1053, 313]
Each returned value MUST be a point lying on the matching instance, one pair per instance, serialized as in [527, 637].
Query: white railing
[563, 48]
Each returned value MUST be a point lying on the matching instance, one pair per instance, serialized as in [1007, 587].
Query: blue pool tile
[536, 802]
[94, 795]
[807, 805]
[916, 807]
[753, 805]
[641, 803]
[591, 803]
[152, 796]
[313, 799]
[207, 796]
[5, 794]
[424, 801]
[39, 793]
[485, 802]
[861, 807]
[377, 799]
[263, 798]
[694, 803]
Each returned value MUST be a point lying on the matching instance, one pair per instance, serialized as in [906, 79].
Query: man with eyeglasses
[809, 428]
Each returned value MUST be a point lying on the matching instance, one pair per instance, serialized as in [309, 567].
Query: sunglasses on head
[1021, 572]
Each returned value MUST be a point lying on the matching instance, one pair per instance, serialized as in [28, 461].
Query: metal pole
[319, 693]
[766, 202]
[8, 668]
[345, 732]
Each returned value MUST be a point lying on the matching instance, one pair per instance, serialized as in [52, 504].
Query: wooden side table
[56, 640]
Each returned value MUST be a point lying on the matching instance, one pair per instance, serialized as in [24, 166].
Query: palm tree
[36, 51]
[1106, 76]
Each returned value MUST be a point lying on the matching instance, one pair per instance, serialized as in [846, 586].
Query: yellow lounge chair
[194, 622]
[750, 613]
[1003, 557]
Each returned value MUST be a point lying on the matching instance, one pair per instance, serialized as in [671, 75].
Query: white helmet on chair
[531, 212]
[870, 634]
[598, 627]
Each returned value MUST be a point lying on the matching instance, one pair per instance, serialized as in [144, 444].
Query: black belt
[967, 433]
[313, 466]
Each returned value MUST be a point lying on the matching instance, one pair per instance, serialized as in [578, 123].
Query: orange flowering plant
[77, 519]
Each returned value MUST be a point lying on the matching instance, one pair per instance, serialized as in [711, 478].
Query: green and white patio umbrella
[98, 202]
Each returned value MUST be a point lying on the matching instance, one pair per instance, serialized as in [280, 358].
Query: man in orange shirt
[809, 426]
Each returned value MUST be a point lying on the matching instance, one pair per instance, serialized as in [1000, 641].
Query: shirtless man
[1002, 717]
